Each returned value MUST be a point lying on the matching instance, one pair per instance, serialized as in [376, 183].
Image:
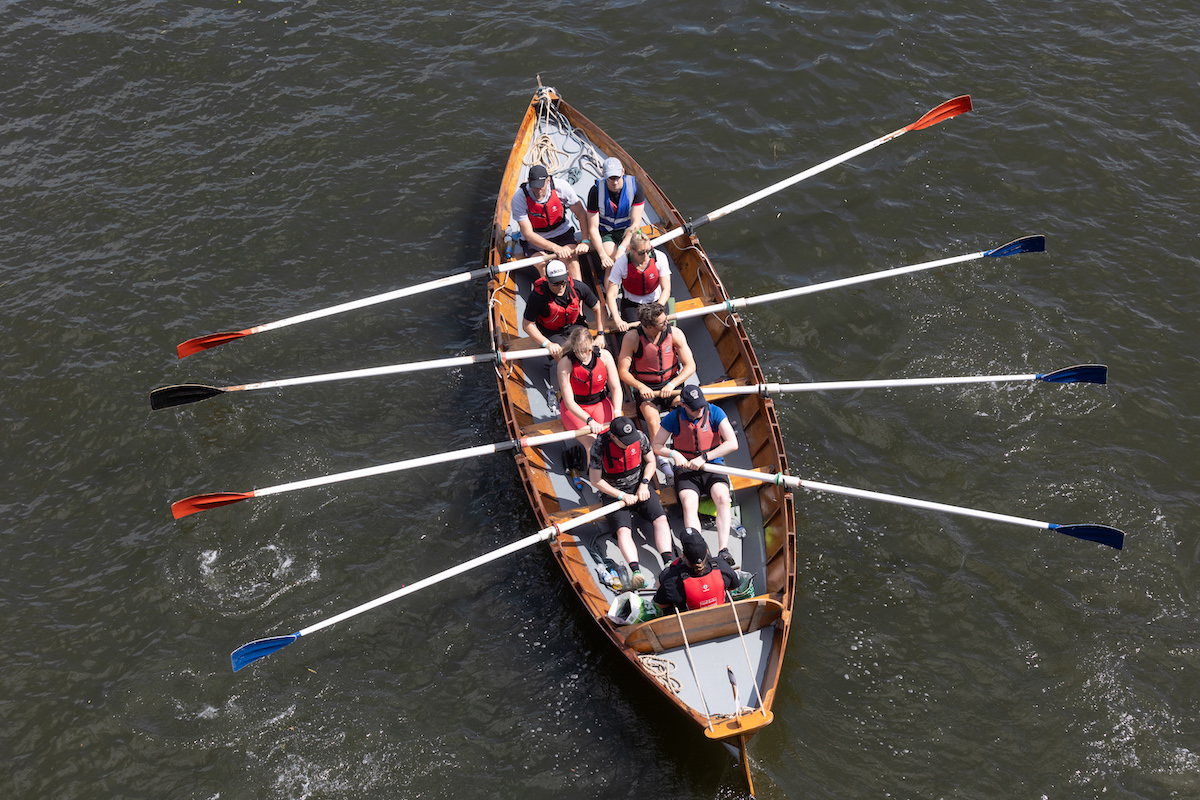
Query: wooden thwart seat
[703, 625]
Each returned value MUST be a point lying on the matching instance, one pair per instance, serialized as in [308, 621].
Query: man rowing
[643, 275]
[540, 210]
[654, 361]
[614, 212]
[555, 305]
[620, 465]
[700, 434]
[696, 580]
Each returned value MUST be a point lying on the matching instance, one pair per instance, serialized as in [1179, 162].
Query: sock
[633, 566]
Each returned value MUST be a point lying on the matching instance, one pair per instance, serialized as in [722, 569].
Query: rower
[540, 211]
[555, 305]
[591, 390]
[700, 434]
[696, 580]
[654, 361]
[621, 465]
[614, 212]
[643, 275]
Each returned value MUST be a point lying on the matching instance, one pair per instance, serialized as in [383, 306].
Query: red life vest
[543, 216]
[589, 382]
[621, 461]
[642, 283]
[704, 591]
[695, 437]
[558, 316]
[655, 363]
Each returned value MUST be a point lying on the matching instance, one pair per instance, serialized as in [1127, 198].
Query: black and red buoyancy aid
[655, 362]
[544, 216]
[621, 461]
[642, 283]
[589, 382]
[558, 316]
[704, 591]
[695, 436]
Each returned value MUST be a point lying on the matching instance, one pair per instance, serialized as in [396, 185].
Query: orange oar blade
[201, 502]
[193, 346]
[951, 108]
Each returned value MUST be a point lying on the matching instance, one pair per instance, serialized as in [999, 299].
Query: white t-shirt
[520, 209]
[620, 269]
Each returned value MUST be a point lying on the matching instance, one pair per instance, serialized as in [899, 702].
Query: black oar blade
[260, 648]
[1102, 534]
[1026, 244]
[1080, 373]
[181, 394]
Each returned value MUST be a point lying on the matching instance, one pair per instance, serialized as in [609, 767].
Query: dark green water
[177, 169]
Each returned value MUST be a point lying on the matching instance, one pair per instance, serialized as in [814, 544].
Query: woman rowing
[590, 385]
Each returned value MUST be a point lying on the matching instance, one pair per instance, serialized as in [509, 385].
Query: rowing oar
[1092, 533]
[184, 393]
[948, 109]
[261, 648]
[1080, 373]
[203, 502]
[1026, 244]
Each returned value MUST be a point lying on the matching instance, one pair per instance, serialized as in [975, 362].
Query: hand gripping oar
[948, 109]
[184, 393]
[203, 502]
[1026, 244]
[1093, 533]
[1080, 373]
[260, 648]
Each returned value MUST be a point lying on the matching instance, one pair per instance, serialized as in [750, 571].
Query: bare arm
[536, 334]
[614, 383]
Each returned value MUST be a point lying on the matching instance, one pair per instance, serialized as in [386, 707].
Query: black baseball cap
[538, 176]
[695, 549]
[623, 429]
[693, 397]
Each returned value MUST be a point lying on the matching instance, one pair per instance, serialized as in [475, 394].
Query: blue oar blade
[260, 648]
[1080, 373]
[1026, 244]
[1102, 534]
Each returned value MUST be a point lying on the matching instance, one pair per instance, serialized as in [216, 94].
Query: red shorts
[601, 412]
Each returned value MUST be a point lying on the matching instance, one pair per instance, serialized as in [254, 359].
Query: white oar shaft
[777, 187]
[743, 302]
[449, 280]
[393, 369]
[808, 173]
[823, 386]
[541, 536]
[422, 461]
[787, 480]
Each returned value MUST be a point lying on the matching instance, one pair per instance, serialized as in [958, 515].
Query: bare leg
[662, 535]
[720, 498]
[691, 508]
[625, 543]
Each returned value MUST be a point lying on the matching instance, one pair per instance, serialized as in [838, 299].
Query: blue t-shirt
[671, 422]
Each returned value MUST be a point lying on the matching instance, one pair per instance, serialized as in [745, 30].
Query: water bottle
[738, 531]
[614, 577]
[552, 401]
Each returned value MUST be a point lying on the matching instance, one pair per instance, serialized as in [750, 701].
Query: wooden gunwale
[760, 429]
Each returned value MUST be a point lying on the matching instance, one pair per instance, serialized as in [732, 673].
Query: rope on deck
[660, 669]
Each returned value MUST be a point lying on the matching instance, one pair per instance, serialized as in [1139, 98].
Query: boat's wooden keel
[745, 759]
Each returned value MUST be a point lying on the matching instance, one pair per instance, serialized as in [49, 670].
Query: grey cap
[613, 168]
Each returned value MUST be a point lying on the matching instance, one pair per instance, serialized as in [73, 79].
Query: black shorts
[649, 510]
[663, 404]
[699, 482]
[563, 239]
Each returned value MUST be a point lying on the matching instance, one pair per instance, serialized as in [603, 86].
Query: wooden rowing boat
[751, 636]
